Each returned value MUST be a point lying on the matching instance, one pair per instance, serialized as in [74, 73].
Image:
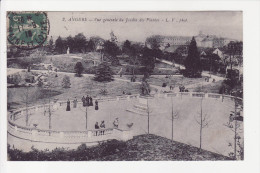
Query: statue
[68, 50]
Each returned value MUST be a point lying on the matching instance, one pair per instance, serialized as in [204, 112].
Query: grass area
[79, 86]
[158, 80]
[143, 147]
[66, 63]
[209, 88]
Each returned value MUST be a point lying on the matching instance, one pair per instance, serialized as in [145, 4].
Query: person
[75, 102]
[83, 101]
[116, 123]
[183, 88]
[90, 101]
[102, 125]
[68, 105]
[96, 105]
[96, 127]
[87, 100]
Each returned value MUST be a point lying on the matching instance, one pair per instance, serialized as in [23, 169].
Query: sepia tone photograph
[125, 86]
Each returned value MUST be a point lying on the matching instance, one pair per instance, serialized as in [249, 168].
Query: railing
[41, 134]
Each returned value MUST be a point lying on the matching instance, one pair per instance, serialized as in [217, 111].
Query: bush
[78, 69]
[104, 73]
[66, 82]
[14, 79]
[82, 153]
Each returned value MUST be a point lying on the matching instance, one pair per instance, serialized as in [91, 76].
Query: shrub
[66, 82]
[82, 153]
[78, 69]
[104, 73]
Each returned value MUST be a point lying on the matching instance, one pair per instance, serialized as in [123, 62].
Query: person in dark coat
[96, 105]
[68, 105]
[90, 101]
[87, 100]
[83, 101]
[75, 102]
[96, 127]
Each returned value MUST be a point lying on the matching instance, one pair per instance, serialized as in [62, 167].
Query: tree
[203, 121]
[134, 52]
[234, 48]
[111, 50]
[234, 125]
[174, 115]
[66, 82]
[50, 84]
[145, 87]
[126, 47]
[103, 73]
[148, 61]
[59, 45]
[29, 95]
[78, 69]
[192, 62]
[235, 52]
[70, 43]
[153, 41]
[91, 45]
[97, 40]
[50, 45]
[80, 43]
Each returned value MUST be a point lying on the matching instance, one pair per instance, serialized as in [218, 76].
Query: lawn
[158, 80]
[80, 86]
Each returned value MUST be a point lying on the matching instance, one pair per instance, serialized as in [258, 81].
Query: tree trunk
[201, 124]
[148, 117]
[86, 118]
[172, 119]
[26, 102]
[235, 138]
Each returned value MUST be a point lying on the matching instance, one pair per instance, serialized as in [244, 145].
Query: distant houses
[168, 43]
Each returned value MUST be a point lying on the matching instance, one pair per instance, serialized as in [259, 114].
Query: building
[202, 40]
[169, 41]
[219, 52]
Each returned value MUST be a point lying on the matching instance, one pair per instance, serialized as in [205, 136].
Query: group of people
[101, 126]
[207, 79]
[75, 103]
[171, 87]
[88, 101]
[182, 89]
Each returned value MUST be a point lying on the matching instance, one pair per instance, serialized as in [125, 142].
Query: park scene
[167, 96]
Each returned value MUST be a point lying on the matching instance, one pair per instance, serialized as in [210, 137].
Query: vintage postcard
[125, 86]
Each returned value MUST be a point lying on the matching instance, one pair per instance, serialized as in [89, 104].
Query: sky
[144, 24]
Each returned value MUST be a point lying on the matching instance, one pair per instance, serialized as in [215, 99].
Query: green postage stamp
[27, 30]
